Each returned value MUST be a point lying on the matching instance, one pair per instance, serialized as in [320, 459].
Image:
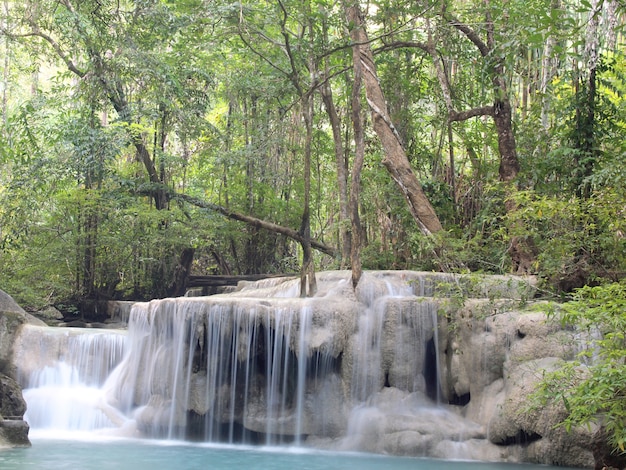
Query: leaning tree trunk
[254, 222]
[395, 160]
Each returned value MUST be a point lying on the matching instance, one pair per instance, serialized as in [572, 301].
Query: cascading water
[63, 373]
[260, 365]
[215, 371]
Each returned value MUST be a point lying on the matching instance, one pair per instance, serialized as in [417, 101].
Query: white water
[64, 377]
[260, 366]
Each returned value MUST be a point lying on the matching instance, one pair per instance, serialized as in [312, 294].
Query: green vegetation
[135, 133]
[593, 388]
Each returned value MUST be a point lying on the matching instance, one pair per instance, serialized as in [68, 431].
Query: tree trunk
[341, 161]
[308, 267]
[178, 286]
[521, 250]
[359, 156]
[395, 160]
[342, 178]
[509, 164]
[585, 137]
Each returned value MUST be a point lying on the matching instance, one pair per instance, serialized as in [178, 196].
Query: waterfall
[260, 365]
[216, 371]
[378, 369]
[63, 373]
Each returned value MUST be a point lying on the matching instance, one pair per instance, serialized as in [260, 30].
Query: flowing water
[260, 367]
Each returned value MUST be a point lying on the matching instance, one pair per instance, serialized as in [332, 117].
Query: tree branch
[390, 46]
[53, 43]
[253, 221]
[456, 116]
[453, 115]
[470, 34]
[265, 59]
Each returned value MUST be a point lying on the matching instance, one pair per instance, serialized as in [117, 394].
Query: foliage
[593, 388]
[576, 239]
[106, 103]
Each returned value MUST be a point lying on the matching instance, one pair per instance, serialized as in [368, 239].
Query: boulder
[12, 404]
[12, 317]
[50, 315]
[497, 356]
[14, 433]
[13, 429]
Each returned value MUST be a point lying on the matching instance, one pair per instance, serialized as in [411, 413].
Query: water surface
[159, 455]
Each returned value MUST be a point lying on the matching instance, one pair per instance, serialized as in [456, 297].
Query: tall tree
[301, 71]
[359, 157]
[395, 161]
[501, 111]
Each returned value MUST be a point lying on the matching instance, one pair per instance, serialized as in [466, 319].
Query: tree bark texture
[308, 284]
[395, 160]
[178, 285]
[342, 178]
[359, 157]
[509, 164]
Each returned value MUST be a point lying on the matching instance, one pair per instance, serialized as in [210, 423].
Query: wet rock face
[394, 374]
[14, 433]
[498, 357]
[10, 321]
[13, 429]
[12, 404]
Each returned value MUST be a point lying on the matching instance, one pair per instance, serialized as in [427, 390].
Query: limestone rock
[518, 422]
[14, 433]
[12, 404]
[538, 336]
[13, 430]
[401, 423]
[12, 316]
[495, 357]
[397, 366]
[478, 344]
[50, 315]
[8, 305]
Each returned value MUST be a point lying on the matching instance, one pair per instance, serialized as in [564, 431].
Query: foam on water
[259, 366]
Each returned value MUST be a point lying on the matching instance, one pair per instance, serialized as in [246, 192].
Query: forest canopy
[142, 139]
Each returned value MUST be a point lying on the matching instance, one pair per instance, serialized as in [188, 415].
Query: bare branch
[471, 35]
[52, 42]
[456, 116]
[293, 76]
[253, 221]
[264, 58]
[453, 115]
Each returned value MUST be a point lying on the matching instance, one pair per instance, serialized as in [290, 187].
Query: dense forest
[145, 140]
